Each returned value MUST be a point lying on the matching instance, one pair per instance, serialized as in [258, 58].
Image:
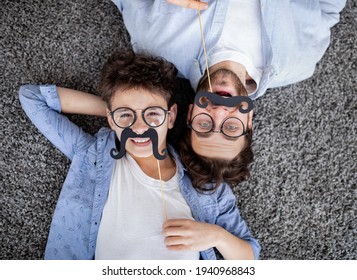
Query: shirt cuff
[49, 92]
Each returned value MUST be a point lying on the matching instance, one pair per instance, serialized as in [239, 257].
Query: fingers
[189, 4]
[174, 241]
[177, 223]
[176, 227]
[187, 235]
[178, 243]
[179, 248]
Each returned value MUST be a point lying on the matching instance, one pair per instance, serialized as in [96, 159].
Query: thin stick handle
[162, 190]
[204, 50]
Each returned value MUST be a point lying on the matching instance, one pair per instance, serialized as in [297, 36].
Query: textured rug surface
[300, 201]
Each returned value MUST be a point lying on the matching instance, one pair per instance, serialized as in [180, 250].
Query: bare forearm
[232, 247]
[78, 102]
[188, 235]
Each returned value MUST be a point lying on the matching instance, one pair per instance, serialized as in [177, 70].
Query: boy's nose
[139, 127]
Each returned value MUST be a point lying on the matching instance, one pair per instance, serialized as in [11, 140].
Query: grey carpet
[301, 199]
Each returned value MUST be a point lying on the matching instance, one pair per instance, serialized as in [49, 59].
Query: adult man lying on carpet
[251, 46]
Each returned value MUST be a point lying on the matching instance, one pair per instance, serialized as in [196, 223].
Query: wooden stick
[162, 190]
[204, 50]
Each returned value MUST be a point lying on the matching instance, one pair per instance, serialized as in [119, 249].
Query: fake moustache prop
[224, 101]
[151, 133]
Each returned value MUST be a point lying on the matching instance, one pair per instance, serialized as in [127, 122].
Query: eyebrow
[129, 108]
[207, 135]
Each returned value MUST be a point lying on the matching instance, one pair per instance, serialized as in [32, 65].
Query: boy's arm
[42, 105]
[230, 234]
[188, 235]
[229, 218]
[78, 102]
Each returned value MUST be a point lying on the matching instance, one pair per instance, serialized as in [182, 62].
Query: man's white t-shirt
[133, 215]
[241, 38]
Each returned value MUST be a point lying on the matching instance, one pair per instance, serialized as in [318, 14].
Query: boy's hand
[188, 235]
[190, 4]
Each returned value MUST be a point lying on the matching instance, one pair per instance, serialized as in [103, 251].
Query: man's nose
[220, 110]
[219, 113]
[139, 127]
[212, 106]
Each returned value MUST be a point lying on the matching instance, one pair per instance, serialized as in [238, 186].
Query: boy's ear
[190, 107]
[110, 120]
[172, 115]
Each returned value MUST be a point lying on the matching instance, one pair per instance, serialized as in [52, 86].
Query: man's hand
[188, 235]
[190, 4]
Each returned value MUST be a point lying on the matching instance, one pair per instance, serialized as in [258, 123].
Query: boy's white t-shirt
[133, 215]
[241, 40]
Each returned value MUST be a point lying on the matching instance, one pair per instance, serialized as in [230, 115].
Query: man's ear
[172, 115]
[190, 108]
[110, 120]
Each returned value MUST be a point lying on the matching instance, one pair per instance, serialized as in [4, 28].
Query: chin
[140, 154]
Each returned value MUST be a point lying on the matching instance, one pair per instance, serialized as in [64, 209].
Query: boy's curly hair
[127, 70]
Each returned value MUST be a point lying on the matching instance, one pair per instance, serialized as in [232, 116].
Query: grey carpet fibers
[300, 201]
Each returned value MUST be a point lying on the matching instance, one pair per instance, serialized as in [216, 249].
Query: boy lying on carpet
[127, 195]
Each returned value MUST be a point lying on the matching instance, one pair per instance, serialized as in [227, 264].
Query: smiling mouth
[140, 141]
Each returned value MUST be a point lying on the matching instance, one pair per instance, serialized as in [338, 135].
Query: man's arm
[78, 102]
[330, 11]
[189, 4]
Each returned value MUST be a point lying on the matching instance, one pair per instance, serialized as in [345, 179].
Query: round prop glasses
[231, 127]
[153, 116]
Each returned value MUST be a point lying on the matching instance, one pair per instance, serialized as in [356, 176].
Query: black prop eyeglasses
[232, 127]
[153, 116]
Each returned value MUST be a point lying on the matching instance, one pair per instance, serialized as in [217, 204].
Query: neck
[149, 166]
[235, 67]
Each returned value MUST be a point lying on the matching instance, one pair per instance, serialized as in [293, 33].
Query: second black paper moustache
[224, 101]
[151, 133]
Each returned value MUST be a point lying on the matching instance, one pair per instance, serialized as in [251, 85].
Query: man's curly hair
[127, 70]
[204, 171]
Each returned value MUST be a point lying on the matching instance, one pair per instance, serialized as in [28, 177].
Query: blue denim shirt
[78, 212]
[295, 35]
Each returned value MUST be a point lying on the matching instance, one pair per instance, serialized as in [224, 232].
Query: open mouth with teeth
[140, 141]
[223, 93]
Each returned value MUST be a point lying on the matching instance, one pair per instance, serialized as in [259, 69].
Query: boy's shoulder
[104, 132]
[105, 138]
[105, 135]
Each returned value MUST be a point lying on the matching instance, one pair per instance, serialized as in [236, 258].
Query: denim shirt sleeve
[42, 106]
[330, 11]
[230, 218]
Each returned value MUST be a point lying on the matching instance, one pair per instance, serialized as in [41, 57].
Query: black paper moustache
[151, 133]
[224, 101]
